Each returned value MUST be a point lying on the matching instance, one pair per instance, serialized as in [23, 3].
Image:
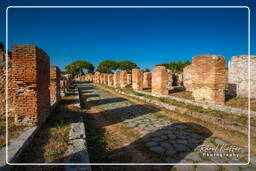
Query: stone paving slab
[175, 141]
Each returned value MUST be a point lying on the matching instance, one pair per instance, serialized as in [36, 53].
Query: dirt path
[121, 131]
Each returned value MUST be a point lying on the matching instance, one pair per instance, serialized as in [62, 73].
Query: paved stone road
[176, 142]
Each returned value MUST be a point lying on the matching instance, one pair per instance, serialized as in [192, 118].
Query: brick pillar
[129, 79]
[238, 81]
[147, 79]
[187, 77]
[137, 79]
[97, 77]
[31, 80]
[110, 80]
[208, 78]
[160, 81]
[54, 84]
[116, 79]
[106, 79]
[123, 79]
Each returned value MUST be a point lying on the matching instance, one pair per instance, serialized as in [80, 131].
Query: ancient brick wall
[54, 84]
[123, 79]
[3, 87]
[31, 80]
[160, 81]
[238, 76]
[208, 78]
[170, 79]
[187, 77]
[147, 79]
[129, 79]
[110, 79]
[106, 79]
[116, 80]
[137, 79]
[177, 79]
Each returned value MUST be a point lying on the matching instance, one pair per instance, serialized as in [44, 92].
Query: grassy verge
[51, 142]
[13, 130]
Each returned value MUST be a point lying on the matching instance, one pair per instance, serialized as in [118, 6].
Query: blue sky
[144, 36]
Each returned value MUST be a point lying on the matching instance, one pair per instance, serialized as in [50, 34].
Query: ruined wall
[129, 79]
[116, 80]
[123, 79]
[177, 79]
[238, 76]
[160, 81]
[208, 78]
[137, 79]
[54, 84]
[110, 79]
[3, 86]
[147, 79]
[170, 79]
[31, 80]
[187, 77]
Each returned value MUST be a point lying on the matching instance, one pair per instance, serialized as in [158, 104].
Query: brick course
[54, 84]
[137, 79]
[160, 81]
[208, 78]
[31, 80]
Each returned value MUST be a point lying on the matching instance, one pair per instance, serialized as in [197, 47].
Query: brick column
[160, 81]
[110, 80]
[54, 84]
[116, 79]
[147, 79]
[129, 79]
[123, 79]
[187, 77]
[137, 79]
[106, 79]
[31, 80]
[208, 78]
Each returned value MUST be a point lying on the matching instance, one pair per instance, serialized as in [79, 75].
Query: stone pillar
[187, 77]
[147, 79]
[123, 79]
[137, 79]
[238, 82]
[110, 80]
[31, 81]
[129, 79]
[160, 81]
[208, 78]
[116, 79]
[54, 84]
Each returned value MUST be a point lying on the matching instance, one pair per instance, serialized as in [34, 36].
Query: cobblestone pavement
[175, 141]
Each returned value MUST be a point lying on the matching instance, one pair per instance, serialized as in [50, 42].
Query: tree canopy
[78, 66]
[176, 67]
[107, 66]
[127, 65]
[146, 70]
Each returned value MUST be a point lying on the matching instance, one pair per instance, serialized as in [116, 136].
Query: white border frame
[249, 50]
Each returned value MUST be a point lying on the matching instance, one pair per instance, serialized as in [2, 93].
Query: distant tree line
[77, 68]
[108, 66]
[175, 67]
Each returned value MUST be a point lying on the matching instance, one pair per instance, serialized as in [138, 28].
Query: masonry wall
[187, 77]
[116, 80]
[110, 79]
[54, 84]
[238, 81]
[137, 79]
[31, 80]
[208, 78]
[147, 79]
[123, 79]
[160, 81]
[3, 87]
